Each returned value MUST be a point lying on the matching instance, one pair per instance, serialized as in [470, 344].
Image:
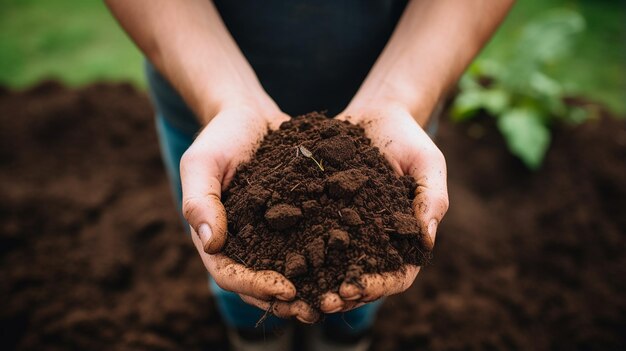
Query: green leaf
[526, 135]
[544, 85]
[547, 39]
[577, 115]
[468, 102]
[496, 101]
[469, 81]
[550, 36]
[489, 67]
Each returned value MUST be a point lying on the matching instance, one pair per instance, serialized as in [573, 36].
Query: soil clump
[320, 204]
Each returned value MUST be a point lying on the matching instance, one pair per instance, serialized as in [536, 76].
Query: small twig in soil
[360, 258]
[240, 259]
[339, 211]
[389, 230]
[295, 186]
[382, 204]
[266, 314]
[275, 168]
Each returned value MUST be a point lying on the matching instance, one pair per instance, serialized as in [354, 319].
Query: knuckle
[259, 284]
[445, 203]
[188, 158]
[190, 206]
[284, 310]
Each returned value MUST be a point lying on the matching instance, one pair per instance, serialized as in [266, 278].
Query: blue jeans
[173, 143]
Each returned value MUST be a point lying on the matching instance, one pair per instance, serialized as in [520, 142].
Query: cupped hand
[410, 151]
[229, 139]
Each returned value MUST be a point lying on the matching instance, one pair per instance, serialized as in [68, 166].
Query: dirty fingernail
[304, 320]
[283, 297]
[204, 232]
[335, 310]
[353, 297]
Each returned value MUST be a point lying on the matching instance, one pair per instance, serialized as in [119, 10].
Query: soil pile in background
[93, 257]
[320, 205]
[92, 253]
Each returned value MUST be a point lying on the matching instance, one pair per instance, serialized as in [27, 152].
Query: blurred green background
[78, 42]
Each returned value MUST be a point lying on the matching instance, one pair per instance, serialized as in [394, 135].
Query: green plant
[518, 93]
[308, 154]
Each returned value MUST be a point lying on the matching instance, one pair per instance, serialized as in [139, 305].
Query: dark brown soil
[321, 225]
[92, 255]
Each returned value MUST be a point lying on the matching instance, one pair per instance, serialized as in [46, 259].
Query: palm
[410, 151]
[206, 168]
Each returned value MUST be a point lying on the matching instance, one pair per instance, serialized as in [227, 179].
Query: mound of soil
[321, 205]
[93, 255]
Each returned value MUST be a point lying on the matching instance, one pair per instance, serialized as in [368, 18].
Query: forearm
[432, 45]
[188, 43]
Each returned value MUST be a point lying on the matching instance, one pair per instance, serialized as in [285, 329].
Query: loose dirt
[321, 205]
[92, 255]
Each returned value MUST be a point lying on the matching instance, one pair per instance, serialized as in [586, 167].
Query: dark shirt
[308, 55]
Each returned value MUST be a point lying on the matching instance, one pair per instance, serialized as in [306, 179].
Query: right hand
[410, 151]
[228, 140]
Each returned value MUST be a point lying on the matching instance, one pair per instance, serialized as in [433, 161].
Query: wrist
[367, 109]
[387, 99]
[246, 100]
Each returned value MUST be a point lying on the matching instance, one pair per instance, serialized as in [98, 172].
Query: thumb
[202, 207]
[431, 196]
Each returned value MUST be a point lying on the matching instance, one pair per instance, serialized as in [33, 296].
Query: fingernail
[303, 320]
[432, 232]
[205, 233]
[283, 297]
[352, 298]
[335, 310]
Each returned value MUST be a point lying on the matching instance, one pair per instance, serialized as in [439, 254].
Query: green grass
[78, 42]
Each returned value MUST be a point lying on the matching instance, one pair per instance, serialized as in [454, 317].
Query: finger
[350, 305]
[350, 291]
[202, 208]
[235, 277]
[431, 195]
[331, 302]
[298, 309]
[371, 287]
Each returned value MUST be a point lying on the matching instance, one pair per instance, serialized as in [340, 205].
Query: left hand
[409, 150]
[229, 139]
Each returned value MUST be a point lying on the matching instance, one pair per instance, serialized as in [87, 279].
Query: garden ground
[93, 255]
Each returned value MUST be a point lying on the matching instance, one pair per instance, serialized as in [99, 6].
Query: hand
[410, 151]
[229, 139]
